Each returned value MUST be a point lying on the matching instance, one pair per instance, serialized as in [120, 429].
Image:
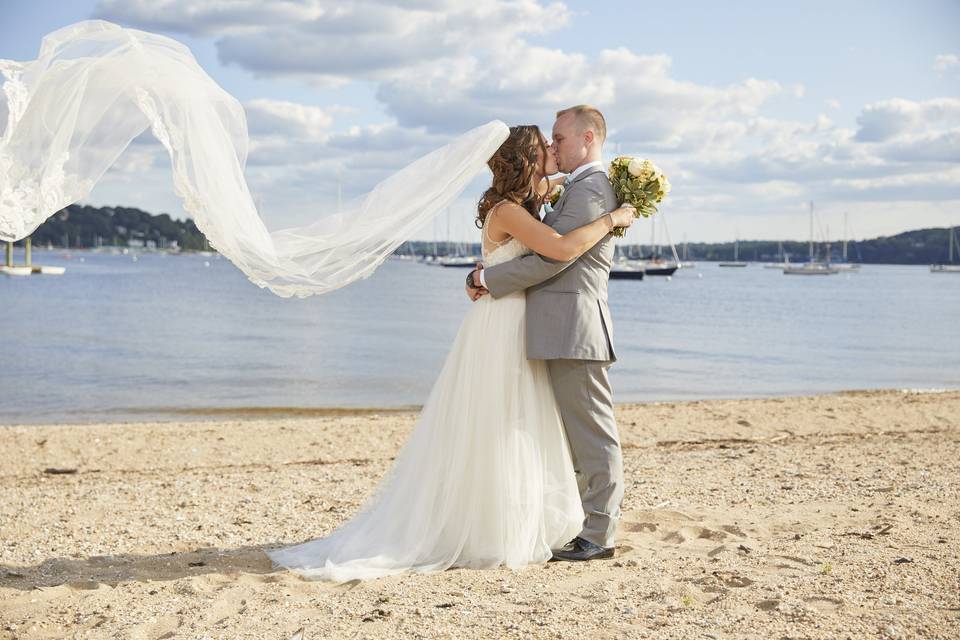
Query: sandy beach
[834, 516]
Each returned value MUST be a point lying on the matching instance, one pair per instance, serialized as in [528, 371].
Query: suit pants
[582, 389]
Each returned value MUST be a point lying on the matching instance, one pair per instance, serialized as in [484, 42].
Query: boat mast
[828, 256]
[673, 247]
[844, 236]
[811, 231]
[653, 239]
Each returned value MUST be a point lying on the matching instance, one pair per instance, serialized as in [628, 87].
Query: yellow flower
[555, 194]
[665, 185]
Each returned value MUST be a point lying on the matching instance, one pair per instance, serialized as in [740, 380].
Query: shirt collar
[579, 170]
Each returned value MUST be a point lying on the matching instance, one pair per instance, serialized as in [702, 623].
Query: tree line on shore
[82, 227]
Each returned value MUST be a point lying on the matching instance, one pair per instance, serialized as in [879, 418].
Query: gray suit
[568, 325]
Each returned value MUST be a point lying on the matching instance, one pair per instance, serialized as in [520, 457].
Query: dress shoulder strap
[486, 224]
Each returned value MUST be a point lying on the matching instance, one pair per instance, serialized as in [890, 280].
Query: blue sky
[753, 108]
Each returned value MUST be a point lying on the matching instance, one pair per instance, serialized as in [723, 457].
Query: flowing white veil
[95, 86]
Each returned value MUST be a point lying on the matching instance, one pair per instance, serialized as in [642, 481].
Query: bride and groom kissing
[515, 458]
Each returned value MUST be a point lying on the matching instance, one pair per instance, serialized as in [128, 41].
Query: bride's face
[549, 163]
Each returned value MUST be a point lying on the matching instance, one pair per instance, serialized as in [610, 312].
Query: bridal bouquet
[639, 183]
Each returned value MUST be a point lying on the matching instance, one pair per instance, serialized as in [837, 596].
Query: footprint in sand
[157, 629]
[686, 534]
[654, 528]
[823, 604]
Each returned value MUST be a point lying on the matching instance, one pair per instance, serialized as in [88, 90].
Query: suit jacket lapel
[552, 216]
[588, 172]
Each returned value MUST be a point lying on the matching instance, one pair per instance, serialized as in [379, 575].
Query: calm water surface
[118, 339]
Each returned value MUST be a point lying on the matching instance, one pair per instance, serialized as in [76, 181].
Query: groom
[568, 326]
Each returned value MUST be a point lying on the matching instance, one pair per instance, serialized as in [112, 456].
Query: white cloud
[274, 117]
[939, 185]
[645, 106]
[887, 119]
[944, 62]
[208, 17]
[341, 41]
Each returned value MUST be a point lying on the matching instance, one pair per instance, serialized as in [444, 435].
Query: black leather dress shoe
[579, 549]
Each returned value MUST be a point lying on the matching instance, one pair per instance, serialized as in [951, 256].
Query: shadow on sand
[113, 569]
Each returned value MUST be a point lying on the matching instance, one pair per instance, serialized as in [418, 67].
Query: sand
[833, 516]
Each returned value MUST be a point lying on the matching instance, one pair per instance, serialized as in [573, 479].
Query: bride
[486, 478]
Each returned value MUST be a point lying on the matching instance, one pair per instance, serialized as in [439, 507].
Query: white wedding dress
[485, 479]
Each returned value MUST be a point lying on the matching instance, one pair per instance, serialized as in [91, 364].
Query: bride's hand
[624, 216]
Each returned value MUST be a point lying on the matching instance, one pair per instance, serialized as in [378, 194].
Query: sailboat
[625, 265]
[626, 270]
[812, 267]
[15, 270]
[948, 268]
[784, 259]
[460, 259]
[28, 268]
[405, 253]
[685, 263]
[736, 256]
[845, 265]
[655, 265]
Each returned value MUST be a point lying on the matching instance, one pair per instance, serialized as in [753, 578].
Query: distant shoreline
[119, 251]
[129, 227]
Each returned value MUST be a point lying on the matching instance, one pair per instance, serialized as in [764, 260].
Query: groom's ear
[589, 136]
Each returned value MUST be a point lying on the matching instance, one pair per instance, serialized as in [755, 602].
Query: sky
[753, 109]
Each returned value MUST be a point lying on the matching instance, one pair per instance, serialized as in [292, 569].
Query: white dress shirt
[576, 172]
[570, 178]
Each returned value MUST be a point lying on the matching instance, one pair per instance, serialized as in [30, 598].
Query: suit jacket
[567, 312]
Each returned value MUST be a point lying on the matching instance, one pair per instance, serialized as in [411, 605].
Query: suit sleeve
[582, 206]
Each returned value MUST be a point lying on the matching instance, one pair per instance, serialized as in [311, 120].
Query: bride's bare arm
[515, 221]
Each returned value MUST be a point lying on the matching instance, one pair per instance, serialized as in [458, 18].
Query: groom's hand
[475, 293]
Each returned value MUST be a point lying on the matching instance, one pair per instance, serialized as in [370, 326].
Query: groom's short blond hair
[589, 118]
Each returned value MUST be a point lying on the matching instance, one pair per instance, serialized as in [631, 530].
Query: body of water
[117, 339]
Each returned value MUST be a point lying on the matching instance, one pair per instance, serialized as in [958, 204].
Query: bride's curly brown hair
[516, 168]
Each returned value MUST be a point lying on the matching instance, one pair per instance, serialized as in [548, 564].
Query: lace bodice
[506, 252]
[499, 252]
